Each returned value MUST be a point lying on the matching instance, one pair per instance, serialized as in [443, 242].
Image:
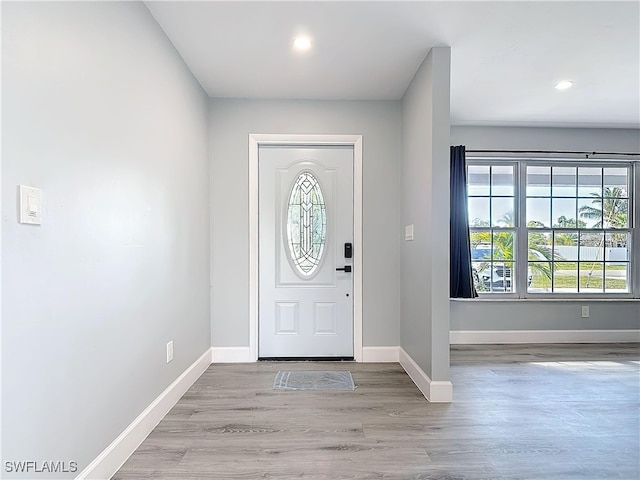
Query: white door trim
[255, 140]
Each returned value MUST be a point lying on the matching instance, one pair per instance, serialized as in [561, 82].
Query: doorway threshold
[305, 359]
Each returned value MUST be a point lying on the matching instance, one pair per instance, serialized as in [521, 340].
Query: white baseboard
[434, 391]
[380, 354]
[471, 337]
[113, 457]
[232, 355]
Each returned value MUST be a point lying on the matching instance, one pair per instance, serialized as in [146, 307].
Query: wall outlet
[585, 311]
[169, 351]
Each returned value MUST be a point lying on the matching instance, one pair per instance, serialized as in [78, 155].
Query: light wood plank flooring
[519, 412]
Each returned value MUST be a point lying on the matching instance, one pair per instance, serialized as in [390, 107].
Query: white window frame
[514, 229]
[521, 230]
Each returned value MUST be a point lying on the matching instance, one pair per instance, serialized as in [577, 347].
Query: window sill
[546, 299]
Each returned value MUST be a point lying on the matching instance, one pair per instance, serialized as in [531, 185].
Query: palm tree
[540, 252]
[538, 248]
[564, 222]
[565, 238]
[610, 211]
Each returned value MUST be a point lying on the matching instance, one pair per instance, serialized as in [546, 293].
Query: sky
[568, 184]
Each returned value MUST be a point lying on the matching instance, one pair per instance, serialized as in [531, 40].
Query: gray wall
[546, 315]
[231, 123]
[100, 112]
[425, 204]
[563, 139]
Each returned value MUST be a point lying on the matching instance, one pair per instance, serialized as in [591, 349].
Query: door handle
[346, 268]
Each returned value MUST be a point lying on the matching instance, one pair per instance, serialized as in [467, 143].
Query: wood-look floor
[519, 412]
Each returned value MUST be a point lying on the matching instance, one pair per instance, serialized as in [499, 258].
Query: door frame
[313, 140]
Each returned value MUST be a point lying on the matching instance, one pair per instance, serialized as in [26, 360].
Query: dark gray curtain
[461, 276]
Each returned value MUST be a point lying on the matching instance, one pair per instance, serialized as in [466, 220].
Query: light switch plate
[408, 232]
[30, 205]
[170, 351]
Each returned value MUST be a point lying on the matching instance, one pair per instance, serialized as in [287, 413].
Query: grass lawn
[574, 265]
[569, 281]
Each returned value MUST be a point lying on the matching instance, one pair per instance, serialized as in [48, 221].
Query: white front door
[305, 210]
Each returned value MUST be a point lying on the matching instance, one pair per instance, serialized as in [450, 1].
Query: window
[551, 227]
[306, 223]
[491, 193]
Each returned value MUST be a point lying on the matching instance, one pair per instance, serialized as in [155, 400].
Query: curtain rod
[555, 152]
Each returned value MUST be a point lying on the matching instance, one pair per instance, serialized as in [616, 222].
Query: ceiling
[505, 56]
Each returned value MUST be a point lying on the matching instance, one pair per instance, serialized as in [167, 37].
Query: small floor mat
[314, 380]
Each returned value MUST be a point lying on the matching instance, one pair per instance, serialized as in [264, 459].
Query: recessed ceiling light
[302, 43]
[563, 85]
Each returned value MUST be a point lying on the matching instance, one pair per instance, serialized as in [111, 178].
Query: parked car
[491, 277]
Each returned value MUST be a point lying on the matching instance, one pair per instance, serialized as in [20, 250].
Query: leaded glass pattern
[306, 223]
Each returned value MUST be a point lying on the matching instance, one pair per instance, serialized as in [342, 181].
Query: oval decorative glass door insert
[306, 223]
